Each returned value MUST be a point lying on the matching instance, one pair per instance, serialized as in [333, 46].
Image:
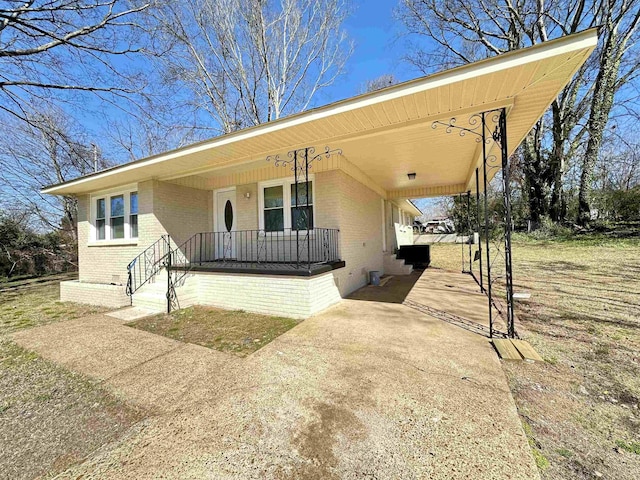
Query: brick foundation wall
[295, 297]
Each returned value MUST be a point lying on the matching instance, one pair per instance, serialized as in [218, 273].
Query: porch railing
[148, 264]
[258, 248]
[242, 249]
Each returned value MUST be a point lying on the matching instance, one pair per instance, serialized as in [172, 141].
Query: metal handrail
[246, 248]
[242, 248]
[250, 249]
[147, 264]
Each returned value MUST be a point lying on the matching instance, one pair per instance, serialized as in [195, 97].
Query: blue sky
[378, 49]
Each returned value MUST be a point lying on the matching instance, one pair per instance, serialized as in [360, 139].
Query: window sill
[114, 243]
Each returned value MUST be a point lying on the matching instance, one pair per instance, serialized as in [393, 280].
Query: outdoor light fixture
[247, 195]
[412, 176]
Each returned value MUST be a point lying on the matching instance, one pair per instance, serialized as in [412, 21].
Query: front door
[225, 223]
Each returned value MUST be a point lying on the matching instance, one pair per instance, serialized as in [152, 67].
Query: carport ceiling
[388, 133]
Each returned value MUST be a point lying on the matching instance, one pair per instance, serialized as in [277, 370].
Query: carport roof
[388, 133]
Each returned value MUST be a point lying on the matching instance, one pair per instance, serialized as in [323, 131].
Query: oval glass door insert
[228, 215]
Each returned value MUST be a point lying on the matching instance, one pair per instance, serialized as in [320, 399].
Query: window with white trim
[278, 211]
[115, 216]
[101, 212]
[133, 214]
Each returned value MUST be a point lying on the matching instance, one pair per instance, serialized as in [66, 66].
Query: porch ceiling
[387, 134]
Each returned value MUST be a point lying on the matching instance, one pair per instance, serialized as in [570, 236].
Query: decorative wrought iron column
[487, 231]
[469, 232]
[464, 202]
[479, 250]
[501, 137]
[462, 259]
[301, 161]
[490, 128]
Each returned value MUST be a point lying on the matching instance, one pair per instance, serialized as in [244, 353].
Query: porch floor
[262, 268]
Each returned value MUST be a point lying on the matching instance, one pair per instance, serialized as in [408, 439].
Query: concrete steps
[156, 301]
[417, 255]
[153, 294]
[396, 266]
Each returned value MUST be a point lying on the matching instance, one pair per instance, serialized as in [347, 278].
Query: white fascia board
[583, 40]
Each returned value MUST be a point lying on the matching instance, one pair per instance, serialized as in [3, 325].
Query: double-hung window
[116, 219]
[273, 216]
[302, 215]
[133, 214]
[278, 211]
[115, 216]
[101, 211]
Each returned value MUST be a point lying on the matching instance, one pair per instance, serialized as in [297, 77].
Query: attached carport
[445, 134]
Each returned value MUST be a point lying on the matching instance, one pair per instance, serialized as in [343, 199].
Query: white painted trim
[286, 193]
[113, 243]
[572, 43]
[215, 205]
[107, 194]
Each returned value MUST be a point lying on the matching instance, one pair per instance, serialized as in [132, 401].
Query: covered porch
[317, 190]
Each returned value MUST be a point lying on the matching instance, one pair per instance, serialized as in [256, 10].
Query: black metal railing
[148, 264]
[259, 249]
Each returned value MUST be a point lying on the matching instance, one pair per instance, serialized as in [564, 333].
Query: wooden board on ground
[526, 350]
[521, 296]
[506, 349]
[384, 280]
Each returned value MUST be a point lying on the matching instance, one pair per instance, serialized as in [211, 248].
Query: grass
[237, 332]
[631, 447]
[584, 317]
[50, 418]
[32, 302]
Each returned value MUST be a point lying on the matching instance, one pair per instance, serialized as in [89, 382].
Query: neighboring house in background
[250, 225]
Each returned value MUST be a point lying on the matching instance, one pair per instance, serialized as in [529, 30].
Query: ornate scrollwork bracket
[302, 158]
[474, 128]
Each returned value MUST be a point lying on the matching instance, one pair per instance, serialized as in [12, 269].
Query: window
[273, 209]
[278, 211]
[133, 214]
[300, 215]
[114, 216]
[116, 221]
[100, 219]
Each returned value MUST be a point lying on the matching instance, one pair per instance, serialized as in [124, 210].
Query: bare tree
[618, 167]
[46, 149]
[378, 83]
[250, 61]
[469, 30]
[619, 22]
[63, 46]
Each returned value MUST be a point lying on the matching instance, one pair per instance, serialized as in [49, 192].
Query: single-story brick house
[290, 216]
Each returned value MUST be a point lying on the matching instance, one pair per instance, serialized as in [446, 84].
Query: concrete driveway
[366, 390]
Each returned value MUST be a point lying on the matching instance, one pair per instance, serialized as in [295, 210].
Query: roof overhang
[388, 133]
[412, 208]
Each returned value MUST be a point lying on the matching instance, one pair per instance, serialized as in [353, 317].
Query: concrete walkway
[368, 389]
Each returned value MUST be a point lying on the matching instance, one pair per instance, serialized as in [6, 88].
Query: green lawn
[581, 409]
